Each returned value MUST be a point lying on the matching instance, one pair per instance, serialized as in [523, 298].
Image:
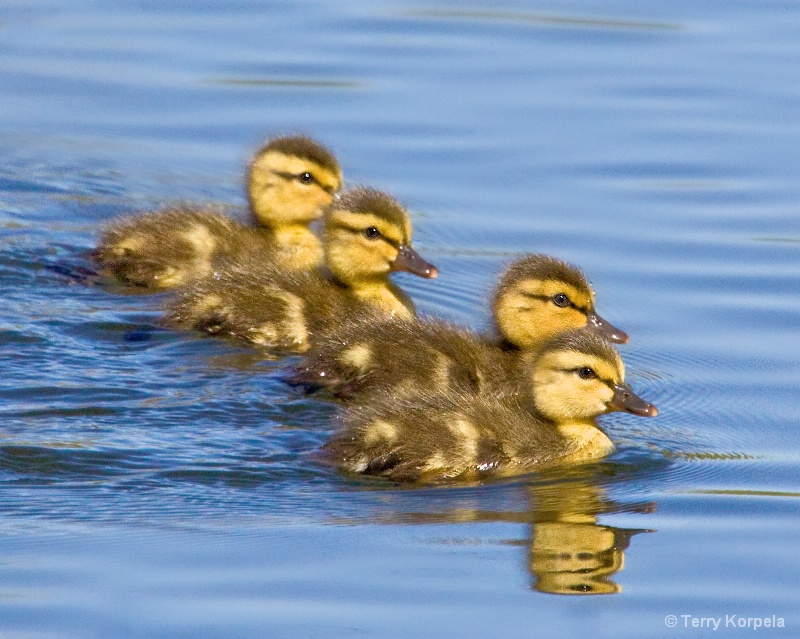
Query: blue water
[160, 484]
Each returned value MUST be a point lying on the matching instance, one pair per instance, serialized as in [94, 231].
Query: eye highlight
[561, 300]
[586, 373]
[372, 233]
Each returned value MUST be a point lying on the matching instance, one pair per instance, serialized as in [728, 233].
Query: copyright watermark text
[726, 622]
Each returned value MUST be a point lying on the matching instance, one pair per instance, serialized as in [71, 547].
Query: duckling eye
[372, 233]
[561, 299]
[305, 178]
[586, 373]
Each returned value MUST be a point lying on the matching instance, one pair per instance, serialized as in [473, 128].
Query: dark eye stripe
[361, 230]
[608, 382]
[301, 177]
[549, 298]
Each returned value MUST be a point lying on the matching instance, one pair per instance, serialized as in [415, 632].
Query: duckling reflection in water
[571, 553]
[291, 181]
[367, 235]
[537, 297]
[435, 436]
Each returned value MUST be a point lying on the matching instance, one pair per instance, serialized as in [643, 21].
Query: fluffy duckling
[442, 435]
[291, 180]
[537, 297]
[367, 235]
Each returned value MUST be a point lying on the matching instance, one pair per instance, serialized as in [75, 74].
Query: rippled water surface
[160, 484]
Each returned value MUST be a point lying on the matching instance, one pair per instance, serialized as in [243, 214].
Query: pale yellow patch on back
[437, 461]
[201, 239]
[467, 437]
[294, 321]
[131, 243]
[206, 303]
[358, 356]
[441, 371]
[265, 334]
[380, 431]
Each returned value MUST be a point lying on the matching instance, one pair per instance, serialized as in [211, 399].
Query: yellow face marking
[279, 195]
[562, 395]
[359, 222]
[363, 263]
[527, 314]
[351, 255]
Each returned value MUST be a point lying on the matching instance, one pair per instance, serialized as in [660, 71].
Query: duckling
[434, 436]
[291, 180]
[537, 297]
[367, 235]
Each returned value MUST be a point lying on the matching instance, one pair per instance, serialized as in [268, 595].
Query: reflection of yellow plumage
[537, 297]
[290, 183]
[570, 552]
[575, 558]
[436, 435]
[367, 235]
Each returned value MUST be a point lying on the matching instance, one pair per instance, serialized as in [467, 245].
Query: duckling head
[540, 296]
[292, 179]
[368, 235]
[578, 376]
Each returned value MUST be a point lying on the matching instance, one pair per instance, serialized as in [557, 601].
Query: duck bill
[410, 261]
[597, 324]
[626, 400]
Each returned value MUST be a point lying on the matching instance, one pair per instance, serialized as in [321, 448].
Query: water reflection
[569, 550]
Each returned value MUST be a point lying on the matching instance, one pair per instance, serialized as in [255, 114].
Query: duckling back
[399, 357]
[438, 435]
[291, 181]
[284, 311]
[287, 310]
[171, 247]
[537, 297]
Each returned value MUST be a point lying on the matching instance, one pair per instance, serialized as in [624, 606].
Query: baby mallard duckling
[443, 435]
[367, 235]
[291, 181]
[537, 297]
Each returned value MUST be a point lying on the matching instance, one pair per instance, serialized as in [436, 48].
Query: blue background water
[157, 484]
